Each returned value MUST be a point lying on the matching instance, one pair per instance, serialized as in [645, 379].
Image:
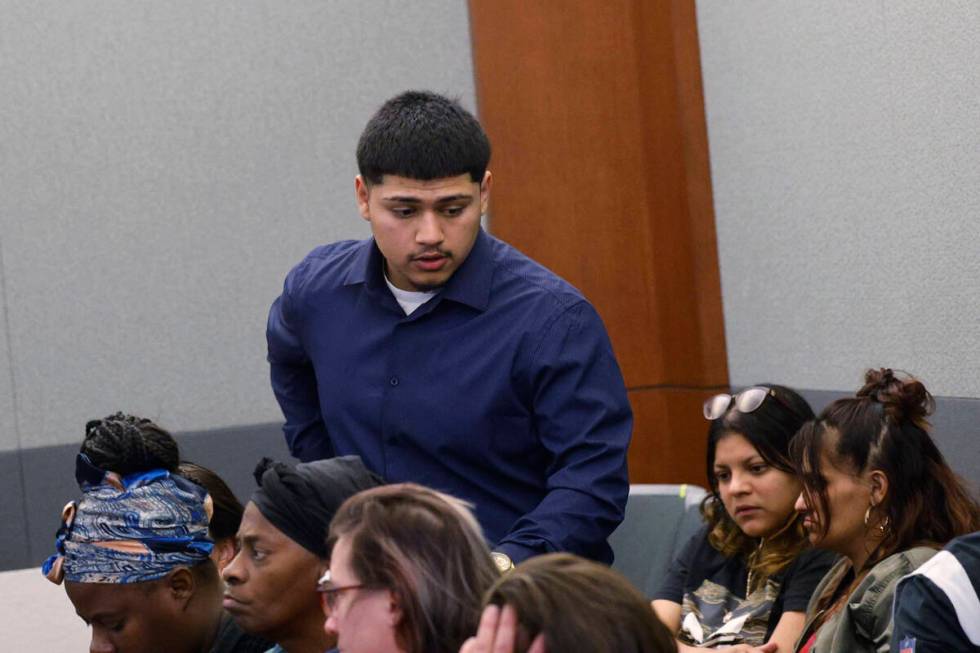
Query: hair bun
[903, 398]
[127, 444]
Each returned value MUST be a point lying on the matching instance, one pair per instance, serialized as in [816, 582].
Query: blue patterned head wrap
[129, 529]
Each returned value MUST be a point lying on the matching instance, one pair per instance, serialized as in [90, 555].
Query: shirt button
[393, 381]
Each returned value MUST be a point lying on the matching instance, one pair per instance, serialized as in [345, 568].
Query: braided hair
[127, 444]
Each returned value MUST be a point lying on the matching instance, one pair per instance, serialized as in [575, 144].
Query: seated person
[877, 491]
[559, 602]
[272, 581]
[937, 607]
[227, 511]
[134, 550]
[408, 566]
[744, 580]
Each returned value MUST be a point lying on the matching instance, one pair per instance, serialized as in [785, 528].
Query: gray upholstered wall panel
[14, 551]
[845, 162]
[163, 165]
[8, 432]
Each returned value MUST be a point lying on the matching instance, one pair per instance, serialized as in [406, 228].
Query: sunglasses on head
[745, 401]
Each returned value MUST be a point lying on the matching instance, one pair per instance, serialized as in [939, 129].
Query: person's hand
[498, 632]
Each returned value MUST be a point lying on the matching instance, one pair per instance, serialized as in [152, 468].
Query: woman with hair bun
[133, 551]
[876, 490]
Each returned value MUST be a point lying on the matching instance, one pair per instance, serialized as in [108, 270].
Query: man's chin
[429, 282]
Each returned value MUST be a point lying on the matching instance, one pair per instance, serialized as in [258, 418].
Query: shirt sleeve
[293, 378]
[925, 619]
[583, 420]
[674, 583]
[802, 579]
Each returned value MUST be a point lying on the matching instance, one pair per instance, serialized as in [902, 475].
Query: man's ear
[879, 487]
[485, 187]
[362, 192]
[181, 586]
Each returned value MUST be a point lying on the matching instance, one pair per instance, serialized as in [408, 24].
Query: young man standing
[443, 356]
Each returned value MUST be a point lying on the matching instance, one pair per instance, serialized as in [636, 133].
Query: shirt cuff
[517, 552]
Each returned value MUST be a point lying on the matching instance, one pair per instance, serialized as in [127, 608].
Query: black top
[711, 590]
[232, 639]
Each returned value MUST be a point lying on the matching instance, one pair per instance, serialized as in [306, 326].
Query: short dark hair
[422, 135]
[579, 605]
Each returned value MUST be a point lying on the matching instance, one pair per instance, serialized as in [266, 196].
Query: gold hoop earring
[884, 525]
[867, 515]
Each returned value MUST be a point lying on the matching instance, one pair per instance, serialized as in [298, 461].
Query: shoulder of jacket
[872, 598]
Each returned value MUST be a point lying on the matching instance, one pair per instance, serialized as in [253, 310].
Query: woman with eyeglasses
[408, 569]
[743, 582]
[876, 490]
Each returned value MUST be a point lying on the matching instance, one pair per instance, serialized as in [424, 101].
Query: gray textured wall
[162, 165]
[845, 157]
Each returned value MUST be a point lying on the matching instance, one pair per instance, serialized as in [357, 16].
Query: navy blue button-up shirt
[501, 390]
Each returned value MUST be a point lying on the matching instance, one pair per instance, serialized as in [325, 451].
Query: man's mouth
[430, 262]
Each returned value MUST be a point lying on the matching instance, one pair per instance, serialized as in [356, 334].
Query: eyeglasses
[329, 593]
[745, 401]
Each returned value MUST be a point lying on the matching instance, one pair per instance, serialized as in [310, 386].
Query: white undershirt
[409, 300]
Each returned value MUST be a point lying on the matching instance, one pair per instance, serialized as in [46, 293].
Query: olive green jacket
[864, 623]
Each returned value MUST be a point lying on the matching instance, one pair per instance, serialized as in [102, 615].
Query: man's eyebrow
[408, 199]
[454, 198]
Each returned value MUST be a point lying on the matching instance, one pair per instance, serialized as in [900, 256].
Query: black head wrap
[300, 501]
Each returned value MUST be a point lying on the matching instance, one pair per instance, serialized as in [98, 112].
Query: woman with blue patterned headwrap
[133, 551]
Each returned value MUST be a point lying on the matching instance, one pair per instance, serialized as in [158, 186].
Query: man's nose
[429, 229]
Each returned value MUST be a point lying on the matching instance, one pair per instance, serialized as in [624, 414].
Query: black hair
[422, 135]
[227, 516]
[770, 429]
[127, 444]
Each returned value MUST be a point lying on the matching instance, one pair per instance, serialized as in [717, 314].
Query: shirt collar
[469, 285]
[366, 260]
